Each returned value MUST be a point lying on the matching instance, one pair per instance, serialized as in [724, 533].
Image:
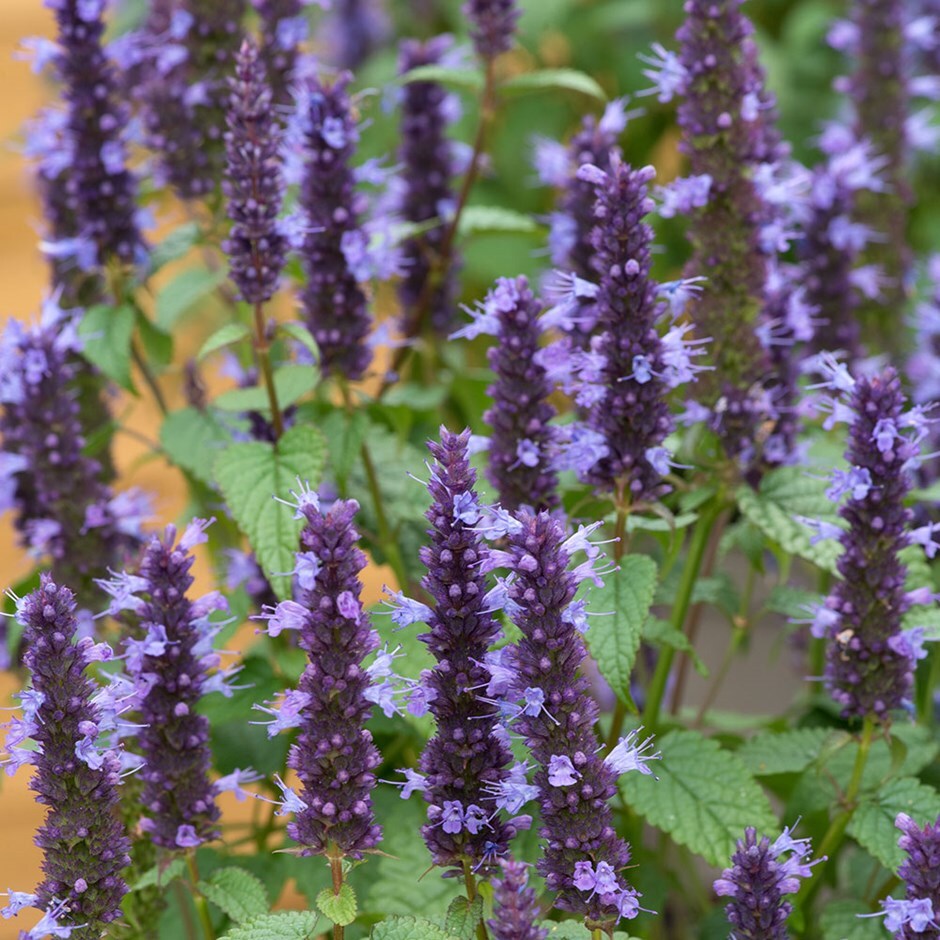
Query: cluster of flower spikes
[83, 842]
[633, 415]
[353, 30]
[582, 854]
[869, 661]
[254, 184]
[284, 26]
[464, 760]
[515, 909]
[492, 25]
[169, 665]
[572, 221]
[334, 303]
[427, 159]
[334, 756]
[761, 876]
[519, 465]
[99, 190]
[65, 508]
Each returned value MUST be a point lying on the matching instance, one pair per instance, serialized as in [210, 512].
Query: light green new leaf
[615, 639]
[285, 925]
[409, 928]
[237, 893]
[872, 824]
[339, 908]
[176, 244]
[704, 799]
[553, 80]
[784, 753]
[106, 334]
[300, 333]
[187, 289]
[226, 335]
[476, 219]
[251, 474]
[291, 382]
[193, 439]
[161, 875]
[453, 78]
[463, 916]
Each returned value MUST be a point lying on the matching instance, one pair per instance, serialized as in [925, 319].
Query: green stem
[149, 378]
[263, 352]
[471, 886]
[693, 564]
[925, 707]
[737, 638]
[386, 537]
[620, 531]
[202, 907]
[336, 872]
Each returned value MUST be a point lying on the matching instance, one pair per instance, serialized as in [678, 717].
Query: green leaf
[344, 435]
[785, 493]
[187, 289]
[872, 824]
[704, 799]
[176, 244]
[615, 639]
[785, 753]
[409, 928]
[193, 439]
[416, 397]
[106, 333]
[463, 916]
[453, 78]
[158, 345]
[339, 908]
[300, 333]
[574, 930]
[161, 875]
[553, 80]
[224, 336]
[237, 893]
[291, 382]
[285, 925]
[476, 219]
[251, 474]
[840, 920]
[665, 634]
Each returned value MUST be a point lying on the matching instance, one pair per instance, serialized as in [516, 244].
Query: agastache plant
[353, 31]
[515, 910]
[77, 776]
[492, 25]
[284, 26]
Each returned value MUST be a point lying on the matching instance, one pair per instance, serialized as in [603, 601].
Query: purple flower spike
[178, 800]
[284, 27]
[84, 844]
[427, 181]
[758, 881]
[464, 760]
[354, 30]
[519, 464]
[492, 25]
[334, 303]
[254, 185]
[515, 909]
[101, 192]
[868, 670]
[334, 756]
[632, 415]
[582, 853]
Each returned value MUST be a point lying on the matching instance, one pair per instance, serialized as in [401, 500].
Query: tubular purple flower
[334, 756]
[83, 842]
[178, 799]
[582, 854]
[464, 760]
[492, 25]
[515, 909]
[254, 184]
[100, 190]
[426, 179]
[519, 453]
[334, 304]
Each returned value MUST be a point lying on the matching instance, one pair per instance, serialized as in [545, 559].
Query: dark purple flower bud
[582, 854]
[254, 184]
[284, 28]
[334, 756]
[515, 909]
[170, 666]
[334, 304]
[426, 179]
[464, 760]
[492, 25]
[101, 192]
[519, 466]
[353, 30]
[762, 874]
[632, 415]
[84, 844]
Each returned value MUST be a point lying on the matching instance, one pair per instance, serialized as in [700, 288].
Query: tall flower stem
[202, 907]
[925, 706]
[150, 380]
[263, 353]
[471, 886]
[336, 873]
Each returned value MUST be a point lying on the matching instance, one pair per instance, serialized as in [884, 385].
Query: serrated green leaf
[251, 474]
[160, 875]
[785, 493]
[615, 639]
[476, 219]
[344, 435]
[300, 333]
[453, 78]
[224, 336]
[285, 925]
[291, 382]
[193, 439]
[872, 823]
[186, 290]
[554, 80]
[784, 753]
[339, 908]
[840, 920]
[106, 334]
[791, 602]
[176, 244]
[237, 893]
[575, 930]
[463, 916]
[704, 799]
[158, 345]
[409, 928]
[665, 634]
